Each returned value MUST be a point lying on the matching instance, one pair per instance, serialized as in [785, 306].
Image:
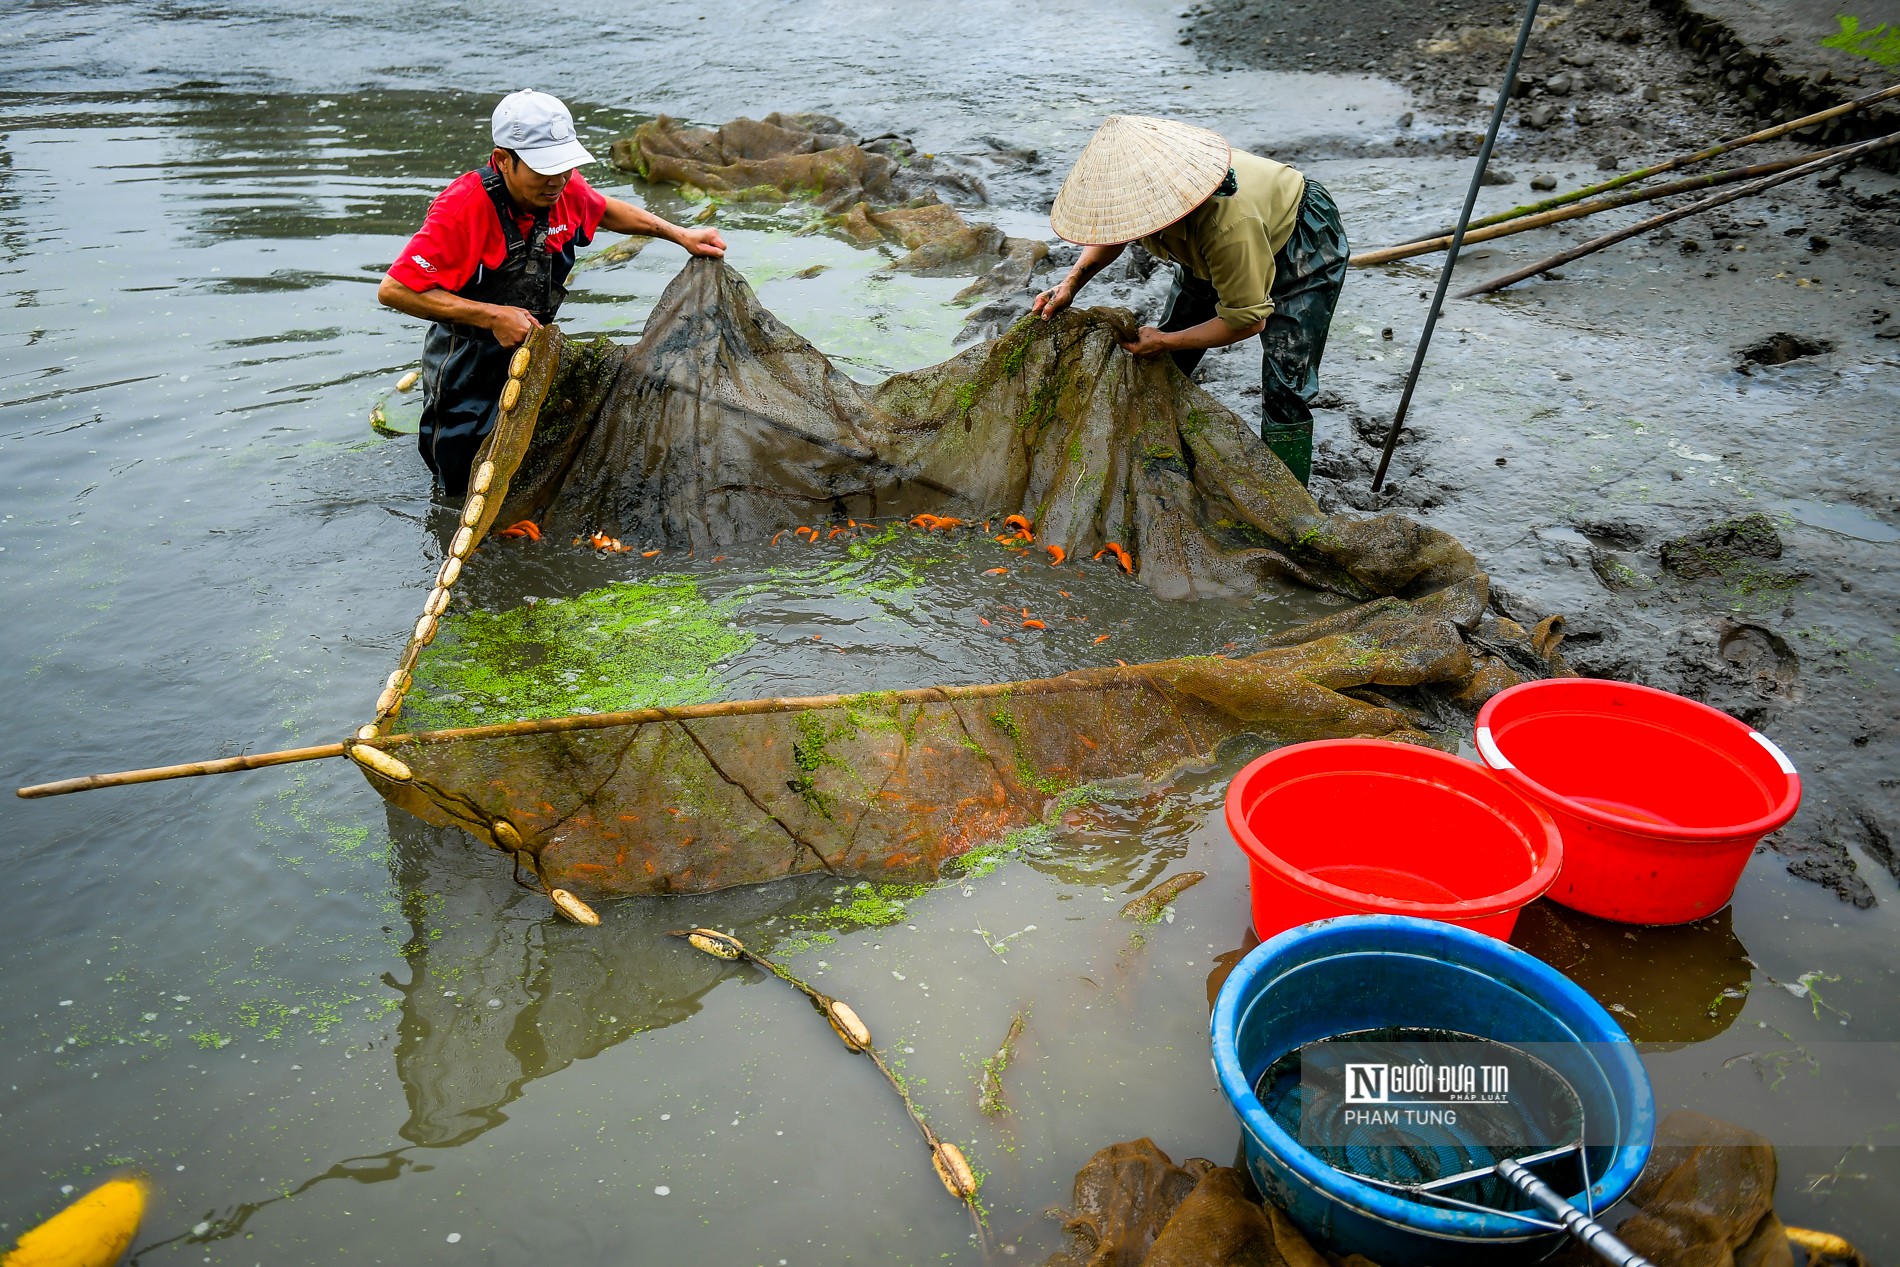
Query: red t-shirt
[461, 232]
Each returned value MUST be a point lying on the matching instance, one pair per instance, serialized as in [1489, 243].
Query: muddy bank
[1602, 84]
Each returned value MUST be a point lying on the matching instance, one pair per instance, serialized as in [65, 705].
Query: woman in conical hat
[1257, 249]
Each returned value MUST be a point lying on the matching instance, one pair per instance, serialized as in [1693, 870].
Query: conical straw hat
[1135, 176]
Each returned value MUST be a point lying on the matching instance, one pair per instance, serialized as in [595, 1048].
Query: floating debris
[1150, 906]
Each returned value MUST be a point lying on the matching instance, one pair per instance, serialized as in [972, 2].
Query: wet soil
[1603, 83]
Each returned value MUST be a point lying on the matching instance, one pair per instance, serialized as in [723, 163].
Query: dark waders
[464, 367]
[1308, 272]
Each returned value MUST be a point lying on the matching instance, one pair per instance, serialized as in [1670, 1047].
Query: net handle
[1595, 1237]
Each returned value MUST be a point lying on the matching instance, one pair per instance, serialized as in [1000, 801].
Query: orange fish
[647, 554]
[1121, 556]
[1020, 523]
[835, 531]
[601, 541]
[1100, 638]
[982, 620]
[523, 528]
[1065, 593]
[1034, 624]
[1123, 663]
[994, 571]
[719, 558]
[802, 530]
[1056, 555]
[777, 535]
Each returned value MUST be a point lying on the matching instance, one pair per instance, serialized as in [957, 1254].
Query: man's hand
[703, 242]
[1148, 341]
[512, 327]
[1055, 299]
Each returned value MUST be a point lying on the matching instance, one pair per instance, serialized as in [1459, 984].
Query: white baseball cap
[539, 128]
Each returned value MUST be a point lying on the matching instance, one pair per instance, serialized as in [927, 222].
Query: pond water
[328, 1032]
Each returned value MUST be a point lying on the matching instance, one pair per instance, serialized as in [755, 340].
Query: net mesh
[1409, 1149]
[721, 424]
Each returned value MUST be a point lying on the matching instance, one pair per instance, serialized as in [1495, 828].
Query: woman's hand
[1148, 341]
[1055, 299]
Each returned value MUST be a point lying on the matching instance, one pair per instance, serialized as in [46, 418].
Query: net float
[387, 700]
[846, 1023]
[472, 509]
[450, 573]
[464, 540]
[425, 630]
[518, 363]
[438, 601]
[951, 1167]
[484, 476]
[510, 394]
[93, 1231]
[376, 761]
[505, 835]
[575, 909]
[716, 944]
[367, 732]
[407, 382]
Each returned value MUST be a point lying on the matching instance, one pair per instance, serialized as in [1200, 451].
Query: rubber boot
[1293, 445]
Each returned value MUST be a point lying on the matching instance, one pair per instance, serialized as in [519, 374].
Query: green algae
[1004, 721]
[811, 752]
[1880, 44]
[630, 645]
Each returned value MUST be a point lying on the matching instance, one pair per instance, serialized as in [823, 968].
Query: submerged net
[1411, 1149]
[721, 424]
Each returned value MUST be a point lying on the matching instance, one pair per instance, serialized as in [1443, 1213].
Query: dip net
[721, 427]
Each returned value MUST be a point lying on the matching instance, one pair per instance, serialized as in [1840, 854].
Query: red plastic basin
[1660, 800]
[1367, 827]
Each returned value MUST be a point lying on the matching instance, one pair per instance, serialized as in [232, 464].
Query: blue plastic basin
[1365, 972]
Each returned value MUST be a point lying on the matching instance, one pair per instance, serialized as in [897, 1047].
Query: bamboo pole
[1727, 176]
[1082, 679]
[1683, 160]
[184, 770]
[1835, 158]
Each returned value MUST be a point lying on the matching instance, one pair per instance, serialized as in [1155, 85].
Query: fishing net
[722, 424]
[877, 192]
[1541, 1112]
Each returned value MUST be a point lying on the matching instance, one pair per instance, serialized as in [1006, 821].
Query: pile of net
[870, 191]
[722, 424]
[1705, 1198]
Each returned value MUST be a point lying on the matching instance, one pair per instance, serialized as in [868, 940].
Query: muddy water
[328, 1033]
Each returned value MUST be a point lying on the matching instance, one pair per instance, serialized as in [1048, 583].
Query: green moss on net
[633, 645]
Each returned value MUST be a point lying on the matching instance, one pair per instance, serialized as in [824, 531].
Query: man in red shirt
[489, 265]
